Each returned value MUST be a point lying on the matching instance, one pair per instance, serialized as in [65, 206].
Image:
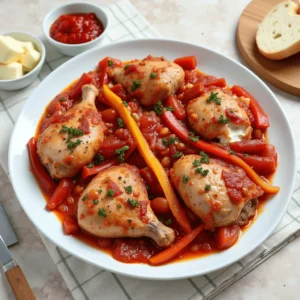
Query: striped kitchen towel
[89, 282]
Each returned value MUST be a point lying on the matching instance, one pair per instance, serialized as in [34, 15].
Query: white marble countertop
[207, 22]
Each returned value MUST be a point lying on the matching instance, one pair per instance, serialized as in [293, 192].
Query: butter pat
[30, 59]
[10, 50]
[10, 71]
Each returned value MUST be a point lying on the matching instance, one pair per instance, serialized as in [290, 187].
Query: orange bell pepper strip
[183, 134]
[174, 250]
[151, 160]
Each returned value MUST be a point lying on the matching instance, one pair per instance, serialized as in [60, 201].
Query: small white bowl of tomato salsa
[75, 27]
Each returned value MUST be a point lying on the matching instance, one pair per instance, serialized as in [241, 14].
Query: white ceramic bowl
[16, 84]
[71, 8]
[211, 62]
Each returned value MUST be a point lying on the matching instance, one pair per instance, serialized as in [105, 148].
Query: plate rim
[172, 276]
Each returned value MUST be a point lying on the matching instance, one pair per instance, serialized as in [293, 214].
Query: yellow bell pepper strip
[183, 134]
[151, 160]
[174, 250]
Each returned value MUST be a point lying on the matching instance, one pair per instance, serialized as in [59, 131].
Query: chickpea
[63, 208]
[194, 116]
[70, 200]
[164, 132]
[78, 190]
[135, 117]
[189, 85]
[194, 248]
[166, 161]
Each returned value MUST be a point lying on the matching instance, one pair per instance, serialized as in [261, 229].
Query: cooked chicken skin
[64, 155]
[150, 80]
[124, 213]
[211, 120]
[207, 196]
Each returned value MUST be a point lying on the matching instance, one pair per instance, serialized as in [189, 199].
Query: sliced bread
[278, 36]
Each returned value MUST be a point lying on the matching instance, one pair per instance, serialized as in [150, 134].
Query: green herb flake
[158, 108]
[99, 191]
[193, 137]
[99, 159]
[128, 189]
[84, 198]
[196, 163]
[72, 145]
[231, 152]
[165, 142]
[223, 120]
[178, 154]
[201, 171]
[125, 103]
[119, 205]
[110, 63]
[169, 108]
[185, 179]
[102, 212]
[135, 85]
[153, 75]
[147, 187]
[168, 222]
[133, 203]
[121, 153]
[214, 98]
[71, 131]
[95, 202]
[207, 187]
[126, 67]
[90, 165]
[173, 140]
[204, 158]
[120, 123]
[62, 99]
[110, 193]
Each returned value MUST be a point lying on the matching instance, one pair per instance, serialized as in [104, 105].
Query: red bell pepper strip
[70, 225]
[178, 109]
[187, 62]
[194, 92]
[249, 147]
[47, 184]
[183, 134]
[221, 82]
[76, 89]
[60, 194]
[174, 250]
[260, 117]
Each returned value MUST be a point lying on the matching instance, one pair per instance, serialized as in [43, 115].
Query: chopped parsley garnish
[125, 103]
[126, 67]
[119, 205]
[168, 222]
[71, 131]
[99, 191]
[90, 165]
[158, 108]
[178, 154]
[121, 153]
[153, 75]
[169, 108]
[214, 98]
[133, 203]
[71, 145]
[102, 212]
[110, 193]
[207, 187]
[95, 202]
[165, 142]
[201, 171]
[204, 157]
[185, 179]
[128, 189]
[120, 123]
[84, 198]
[196, 163]
[135, 85]
[173, 140]
[231, 152]
[99, 159]
[245, 154]
[62, 99]
[223, 120]
[110, 63]
[193, 137]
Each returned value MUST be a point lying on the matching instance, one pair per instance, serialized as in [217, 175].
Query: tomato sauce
[76, 28]
[164, 144]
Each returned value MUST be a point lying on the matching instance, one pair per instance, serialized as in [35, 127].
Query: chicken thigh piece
[66, 146]
[150, 80]
[115, 204]
[213, 191]
[216, 114]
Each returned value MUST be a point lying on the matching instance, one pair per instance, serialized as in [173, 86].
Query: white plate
[210, 62]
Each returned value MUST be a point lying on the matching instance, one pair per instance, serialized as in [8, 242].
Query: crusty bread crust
[277, 25]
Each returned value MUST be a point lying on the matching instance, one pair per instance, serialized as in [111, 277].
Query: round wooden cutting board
[284, 74]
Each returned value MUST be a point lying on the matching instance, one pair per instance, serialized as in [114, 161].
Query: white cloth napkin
[88, 282]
